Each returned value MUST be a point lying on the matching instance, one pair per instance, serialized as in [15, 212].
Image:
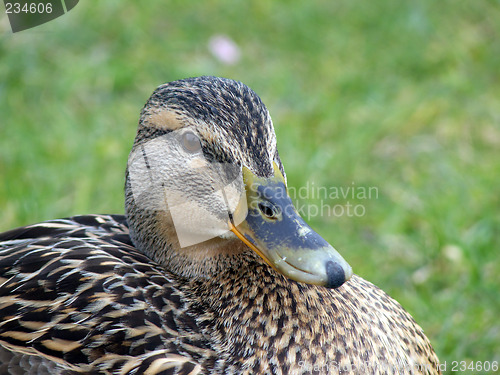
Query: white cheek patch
[202, 196]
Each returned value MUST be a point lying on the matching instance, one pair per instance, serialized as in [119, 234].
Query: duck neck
[153, 233]
[254, 304]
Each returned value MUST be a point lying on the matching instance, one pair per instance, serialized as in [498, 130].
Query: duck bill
[276, 232]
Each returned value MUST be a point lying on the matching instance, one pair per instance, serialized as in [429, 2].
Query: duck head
[205, 187]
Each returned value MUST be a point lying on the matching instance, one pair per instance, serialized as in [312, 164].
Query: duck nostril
[268, 210]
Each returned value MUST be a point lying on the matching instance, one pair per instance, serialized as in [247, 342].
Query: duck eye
[191, 142]
[269, 210]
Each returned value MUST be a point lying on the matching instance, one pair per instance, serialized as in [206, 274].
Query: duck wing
[77, 297]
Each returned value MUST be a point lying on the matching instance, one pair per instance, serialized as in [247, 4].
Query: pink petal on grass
[224, 49]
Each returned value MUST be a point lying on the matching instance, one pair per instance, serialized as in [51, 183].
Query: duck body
[112, 294]
[80, 298]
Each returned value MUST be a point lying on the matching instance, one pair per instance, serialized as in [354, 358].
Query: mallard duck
[211, 270]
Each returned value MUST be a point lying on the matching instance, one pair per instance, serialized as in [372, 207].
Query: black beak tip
[335, 274]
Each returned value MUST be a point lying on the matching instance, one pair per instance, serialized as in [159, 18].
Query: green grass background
[402, 96]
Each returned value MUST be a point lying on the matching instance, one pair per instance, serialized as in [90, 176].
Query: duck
[210, 271]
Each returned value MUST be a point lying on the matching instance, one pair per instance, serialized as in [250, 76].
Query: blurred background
[398, 96]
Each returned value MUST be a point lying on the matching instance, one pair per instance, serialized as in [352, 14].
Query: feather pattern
[79, 293]
[77, 296]
[112, 294]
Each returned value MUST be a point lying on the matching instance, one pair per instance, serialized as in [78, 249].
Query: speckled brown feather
[83, 296]
[79, 293]
[92, 302]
